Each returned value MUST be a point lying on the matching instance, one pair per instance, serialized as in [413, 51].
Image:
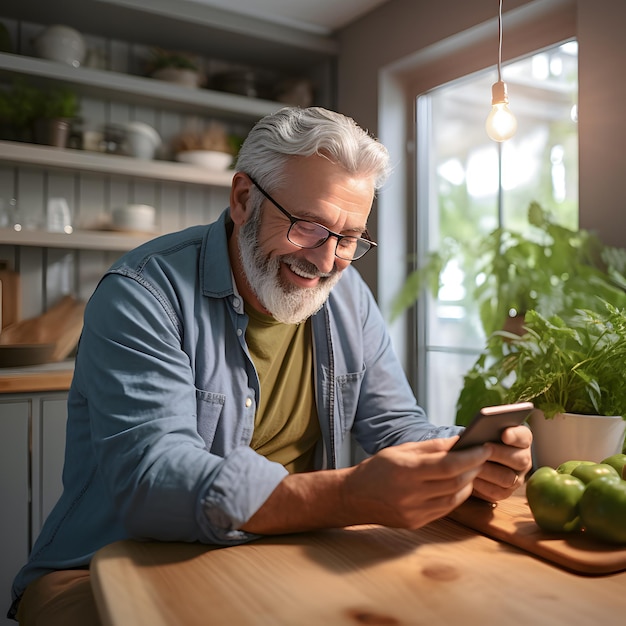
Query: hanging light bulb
[501, 123]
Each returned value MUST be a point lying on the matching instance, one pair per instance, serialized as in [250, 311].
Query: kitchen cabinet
[32, 445]
[14, 477]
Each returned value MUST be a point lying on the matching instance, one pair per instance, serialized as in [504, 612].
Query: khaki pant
[62, 598]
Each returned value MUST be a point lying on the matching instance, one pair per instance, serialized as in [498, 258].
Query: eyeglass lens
[311, 235]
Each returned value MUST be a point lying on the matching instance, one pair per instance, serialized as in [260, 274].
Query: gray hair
[293, 131]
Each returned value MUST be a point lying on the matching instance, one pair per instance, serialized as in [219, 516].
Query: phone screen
[490, 421]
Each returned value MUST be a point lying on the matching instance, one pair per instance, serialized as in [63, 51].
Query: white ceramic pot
[178, 76]
[569, 436]
[141, 140]
[61, 43]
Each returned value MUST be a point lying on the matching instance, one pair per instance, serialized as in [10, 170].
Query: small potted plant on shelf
[571, 367]
[212, 147]
[58, 108]
[28, 113]
[19, 107]
[5, 39]
[180, 68]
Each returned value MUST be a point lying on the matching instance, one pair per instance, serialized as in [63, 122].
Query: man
[221, 368]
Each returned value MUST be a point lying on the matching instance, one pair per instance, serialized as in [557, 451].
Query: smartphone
[489, 423]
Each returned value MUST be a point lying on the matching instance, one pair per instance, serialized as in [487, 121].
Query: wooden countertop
[443, 573]
[34, 378]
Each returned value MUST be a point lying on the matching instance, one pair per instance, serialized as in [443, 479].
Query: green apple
[568, 466]
[603, 509]
[587, 473]
[618, 461]
[553, 499]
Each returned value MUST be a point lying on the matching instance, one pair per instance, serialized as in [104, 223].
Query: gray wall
[402, 28]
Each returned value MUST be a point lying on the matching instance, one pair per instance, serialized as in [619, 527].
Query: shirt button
[235, 302]
[239, 332]
[248, 402]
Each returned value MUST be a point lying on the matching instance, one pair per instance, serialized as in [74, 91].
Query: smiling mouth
[304, 275]
[299, 271]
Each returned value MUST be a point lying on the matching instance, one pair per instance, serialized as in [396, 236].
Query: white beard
[286, 303]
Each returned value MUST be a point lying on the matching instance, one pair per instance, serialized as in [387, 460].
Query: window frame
[526, 30]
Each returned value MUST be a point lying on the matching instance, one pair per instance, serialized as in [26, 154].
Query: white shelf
[17, 153]
[141, 90]
[78, 240]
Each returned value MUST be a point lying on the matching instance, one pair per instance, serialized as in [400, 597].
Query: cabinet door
[49, 444]
[14, 490]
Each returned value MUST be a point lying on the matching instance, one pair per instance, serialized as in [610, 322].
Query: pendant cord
[500, 42]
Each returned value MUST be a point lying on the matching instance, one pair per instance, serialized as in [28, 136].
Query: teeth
[299, 272]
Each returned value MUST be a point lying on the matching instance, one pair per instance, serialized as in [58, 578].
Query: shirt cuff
[244, 482]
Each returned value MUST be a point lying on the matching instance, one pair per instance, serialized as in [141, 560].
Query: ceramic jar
[61, 43]
[573, 437]
[178, 76]
[141, 140]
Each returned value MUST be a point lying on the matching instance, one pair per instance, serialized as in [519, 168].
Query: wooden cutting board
[512, 522]
[59, 326]
[10, 295]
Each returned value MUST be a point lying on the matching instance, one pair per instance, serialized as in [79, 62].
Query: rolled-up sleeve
[243, 484]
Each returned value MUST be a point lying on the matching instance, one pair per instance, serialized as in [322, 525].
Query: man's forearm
[304, 502]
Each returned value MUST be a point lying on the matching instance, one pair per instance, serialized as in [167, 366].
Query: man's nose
[323, 257]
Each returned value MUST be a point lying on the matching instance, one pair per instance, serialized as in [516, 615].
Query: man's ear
[239, 195]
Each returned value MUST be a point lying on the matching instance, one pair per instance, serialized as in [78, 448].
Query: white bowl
[133, 217]
[211, 159]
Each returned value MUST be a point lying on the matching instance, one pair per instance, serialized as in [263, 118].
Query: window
[467, 185]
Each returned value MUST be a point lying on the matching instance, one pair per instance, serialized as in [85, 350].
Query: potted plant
[19, 106]
[57, 110]
[174, 67]
[545, 286]
[571, 368]
[550, 269]
[28, 113]
[212, 147]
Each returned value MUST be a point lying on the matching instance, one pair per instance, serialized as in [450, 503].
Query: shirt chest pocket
[209, 408]
[348, 388]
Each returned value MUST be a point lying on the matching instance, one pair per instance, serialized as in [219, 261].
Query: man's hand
[508, 464]
[412, 484]
[404, 486]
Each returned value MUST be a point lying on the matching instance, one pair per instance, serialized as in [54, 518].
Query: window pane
[445, 373]
[468, 184]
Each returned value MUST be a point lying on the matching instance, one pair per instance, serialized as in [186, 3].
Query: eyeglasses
[307, 234]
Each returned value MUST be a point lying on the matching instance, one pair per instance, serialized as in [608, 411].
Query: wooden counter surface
[444, 573]
[35, 378]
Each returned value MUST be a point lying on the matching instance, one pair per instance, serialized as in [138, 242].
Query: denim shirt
[161, 408]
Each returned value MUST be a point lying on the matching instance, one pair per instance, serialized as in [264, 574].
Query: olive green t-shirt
[286, 428]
